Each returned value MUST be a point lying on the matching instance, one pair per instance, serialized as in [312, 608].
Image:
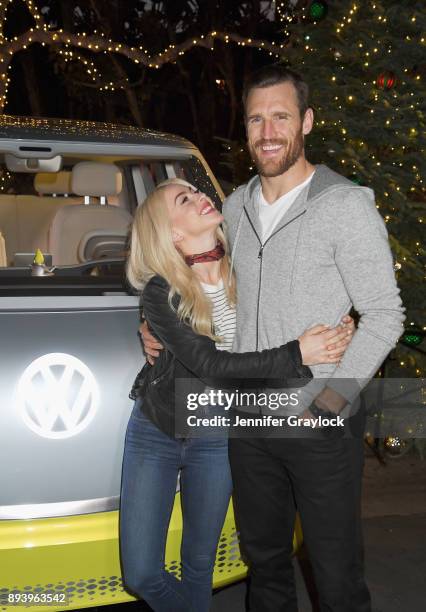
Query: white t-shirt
[224, 316]
[270, 214]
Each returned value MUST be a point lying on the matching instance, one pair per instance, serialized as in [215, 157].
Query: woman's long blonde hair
[152, 252]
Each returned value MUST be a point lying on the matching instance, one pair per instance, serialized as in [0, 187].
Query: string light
[391, 108]
[98, 42]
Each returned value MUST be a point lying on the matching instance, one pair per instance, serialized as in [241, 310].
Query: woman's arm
[199, 354]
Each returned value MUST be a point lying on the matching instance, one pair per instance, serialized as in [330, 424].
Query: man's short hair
[275, 74]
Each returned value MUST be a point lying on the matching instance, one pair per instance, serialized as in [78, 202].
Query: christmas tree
[366, 68]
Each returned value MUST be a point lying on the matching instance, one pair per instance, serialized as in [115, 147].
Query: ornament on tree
[356, 179]
[413, 337]
[397, 447]
[386, 80]
[318, 10]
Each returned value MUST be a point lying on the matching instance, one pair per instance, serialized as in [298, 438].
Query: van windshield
[74, 224]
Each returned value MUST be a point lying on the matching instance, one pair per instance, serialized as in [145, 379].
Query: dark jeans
[322, 478]
[151, 465]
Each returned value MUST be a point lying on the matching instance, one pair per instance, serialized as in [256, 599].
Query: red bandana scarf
[213, 255]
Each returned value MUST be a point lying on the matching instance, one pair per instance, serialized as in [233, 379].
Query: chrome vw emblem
[58, 396]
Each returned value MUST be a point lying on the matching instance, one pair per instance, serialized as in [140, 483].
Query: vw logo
[57, 396]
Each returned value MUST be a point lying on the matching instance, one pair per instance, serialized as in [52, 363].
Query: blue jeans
[151, 465]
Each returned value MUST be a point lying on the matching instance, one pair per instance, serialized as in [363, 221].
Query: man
[307, 244]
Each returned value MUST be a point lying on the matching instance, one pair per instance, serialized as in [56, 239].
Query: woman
[188, 302]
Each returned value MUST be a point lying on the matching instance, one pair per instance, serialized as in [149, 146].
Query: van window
[83, 237]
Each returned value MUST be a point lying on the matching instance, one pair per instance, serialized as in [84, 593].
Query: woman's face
[192, 213]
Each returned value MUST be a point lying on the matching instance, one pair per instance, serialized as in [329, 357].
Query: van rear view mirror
[32, 164]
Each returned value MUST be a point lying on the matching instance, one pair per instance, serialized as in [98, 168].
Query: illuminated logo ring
[57, 396]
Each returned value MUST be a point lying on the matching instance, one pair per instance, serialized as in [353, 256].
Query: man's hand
[328, 399]
[151, 346]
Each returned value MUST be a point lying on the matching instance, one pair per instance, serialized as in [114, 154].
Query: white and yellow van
[70, 351]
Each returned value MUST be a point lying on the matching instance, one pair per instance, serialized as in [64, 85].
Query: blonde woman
[179, 262]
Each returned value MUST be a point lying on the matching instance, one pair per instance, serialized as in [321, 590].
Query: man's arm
[364, 260]
[151, 346]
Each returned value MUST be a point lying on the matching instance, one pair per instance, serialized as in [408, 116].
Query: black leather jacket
[190, 361]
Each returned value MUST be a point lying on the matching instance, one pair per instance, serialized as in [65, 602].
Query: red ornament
[386, 80]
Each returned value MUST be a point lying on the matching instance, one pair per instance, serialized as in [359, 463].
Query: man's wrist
[317, 412]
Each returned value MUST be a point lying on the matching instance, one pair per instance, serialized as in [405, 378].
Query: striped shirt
[224, 316]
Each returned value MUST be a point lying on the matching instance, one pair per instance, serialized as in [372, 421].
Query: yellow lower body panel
[79, 556]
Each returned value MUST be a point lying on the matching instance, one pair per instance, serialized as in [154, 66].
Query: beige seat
[35, 216]
[3, 259]
[35, 213]
[9, 225]
[72, 223]
[25, 219]
[103, 243]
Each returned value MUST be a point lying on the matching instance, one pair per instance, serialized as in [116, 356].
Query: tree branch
[98, 44]
[101, 44]
[3, 10]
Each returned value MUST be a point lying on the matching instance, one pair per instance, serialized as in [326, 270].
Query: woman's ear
[176, 237]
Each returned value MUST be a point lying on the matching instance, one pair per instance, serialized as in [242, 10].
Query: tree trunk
[192, 104]
[129, 91]
[32, 85]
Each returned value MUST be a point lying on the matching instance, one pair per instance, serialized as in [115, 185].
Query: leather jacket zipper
[158, 379]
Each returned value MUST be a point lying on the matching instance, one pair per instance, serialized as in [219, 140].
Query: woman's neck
[208, 272]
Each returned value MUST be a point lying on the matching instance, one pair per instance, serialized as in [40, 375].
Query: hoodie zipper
[260, 256]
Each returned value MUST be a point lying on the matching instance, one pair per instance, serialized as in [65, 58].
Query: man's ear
[176, 237]
[308, 121]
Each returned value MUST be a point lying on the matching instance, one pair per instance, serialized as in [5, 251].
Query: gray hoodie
[328, 252]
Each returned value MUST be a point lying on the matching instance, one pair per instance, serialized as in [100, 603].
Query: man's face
[275, 129]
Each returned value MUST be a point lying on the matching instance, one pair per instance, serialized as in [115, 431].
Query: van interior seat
[72, 223]
[35, 213]
[103, 243]
[9, 225]
[25, 219]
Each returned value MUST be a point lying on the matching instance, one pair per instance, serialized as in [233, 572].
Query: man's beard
[272, 167]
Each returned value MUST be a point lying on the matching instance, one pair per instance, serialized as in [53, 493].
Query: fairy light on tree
[367, 80]
[368, 94]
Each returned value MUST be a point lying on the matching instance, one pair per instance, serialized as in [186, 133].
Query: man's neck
[273, 187]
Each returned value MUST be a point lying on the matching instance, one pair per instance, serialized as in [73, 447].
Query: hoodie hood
[324, 182]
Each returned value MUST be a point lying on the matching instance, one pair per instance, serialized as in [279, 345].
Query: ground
[394, 521]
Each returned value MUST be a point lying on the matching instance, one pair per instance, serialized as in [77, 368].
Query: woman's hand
[347, 321]
[320, 344]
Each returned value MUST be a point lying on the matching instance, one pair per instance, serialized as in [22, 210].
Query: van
[70, 352]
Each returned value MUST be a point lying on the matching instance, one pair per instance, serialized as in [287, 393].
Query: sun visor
[49, 182]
